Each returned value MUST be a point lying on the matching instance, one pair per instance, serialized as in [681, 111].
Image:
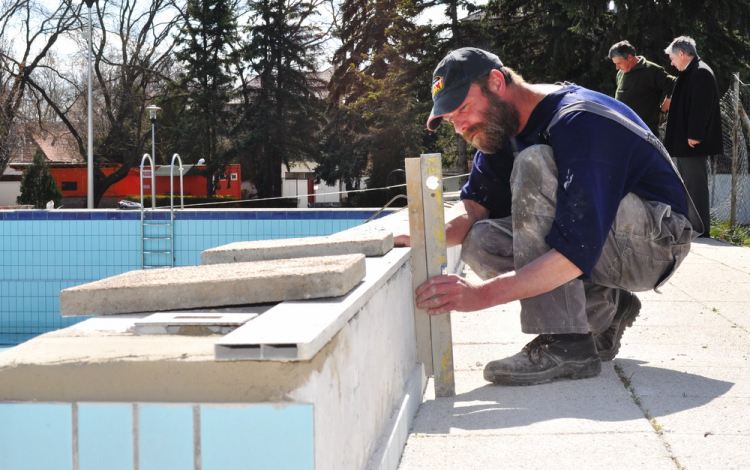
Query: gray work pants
[646, 244]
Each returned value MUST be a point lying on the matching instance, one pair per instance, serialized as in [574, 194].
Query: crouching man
[572, 204]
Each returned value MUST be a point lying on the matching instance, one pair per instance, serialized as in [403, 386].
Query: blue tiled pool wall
[43, 252]
[143, 436]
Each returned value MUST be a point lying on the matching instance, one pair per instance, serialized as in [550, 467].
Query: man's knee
[535, 160]
[488, 248]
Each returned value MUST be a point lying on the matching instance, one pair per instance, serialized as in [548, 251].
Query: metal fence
[728, 173]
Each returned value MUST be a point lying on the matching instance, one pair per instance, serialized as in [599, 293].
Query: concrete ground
[676, 397]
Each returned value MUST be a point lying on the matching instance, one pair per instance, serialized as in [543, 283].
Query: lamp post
[152, 116]
[90, 160]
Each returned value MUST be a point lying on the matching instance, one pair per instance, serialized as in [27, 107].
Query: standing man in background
[694, 123]
[642, 85]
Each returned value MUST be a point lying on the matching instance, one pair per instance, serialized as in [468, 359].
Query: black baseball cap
[453, 77]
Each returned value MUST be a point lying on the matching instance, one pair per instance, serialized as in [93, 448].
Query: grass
[737, 235]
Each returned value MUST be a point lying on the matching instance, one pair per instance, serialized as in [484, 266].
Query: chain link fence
[728, 174]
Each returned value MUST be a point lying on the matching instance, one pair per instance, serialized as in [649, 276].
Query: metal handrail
[153, 181]
[171, 183]
[153, 199]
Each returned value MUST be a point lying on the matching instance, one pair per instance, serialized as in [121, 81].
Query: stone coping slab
[368, 242]
[215, 285]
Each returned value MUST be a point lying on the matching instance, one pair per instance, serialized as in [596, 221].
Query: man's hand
[401, 239]
[693, 143]
[442, 294]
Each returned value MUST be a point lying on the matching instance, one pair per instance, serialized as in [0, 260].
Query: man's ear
[496, 82]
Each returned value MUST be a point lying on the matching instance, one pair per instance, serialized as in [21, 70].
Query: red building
[72, 180]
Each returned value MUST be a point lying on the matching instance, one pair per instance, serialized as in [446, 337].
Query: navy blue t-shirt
[602, 161]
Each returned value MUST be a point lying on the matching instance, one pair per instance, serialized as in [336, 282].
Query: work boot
[547, 358]
[608, 342]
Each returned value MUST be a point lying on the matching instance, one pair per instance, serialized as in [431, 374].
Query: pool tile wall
[163, 436]
[43, 252]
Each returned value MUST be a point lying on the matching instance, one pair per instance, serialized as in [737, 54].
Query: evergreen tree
[200, 98]
[455, 33]
[38, 186]
[379, 95]
[568, 40]
[281, 112]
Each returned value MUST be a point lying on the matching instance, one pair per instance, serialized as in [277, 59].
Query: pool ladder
[157, 232]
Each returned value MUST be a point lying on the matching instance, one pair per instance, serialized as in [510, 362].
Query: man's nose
[458, 125]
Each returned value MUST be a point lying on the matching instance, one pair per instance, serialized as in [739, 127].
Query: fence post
[735, 147]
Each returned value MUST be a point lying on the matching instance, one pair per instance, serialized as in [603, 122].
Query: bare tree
[28, 32]
[132, 50]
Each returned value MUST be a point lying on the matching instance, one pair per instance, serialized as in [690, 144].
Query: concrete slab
[296, 331]
[708, 452]
[480, 408]
[215, 285]
[494, 325]
[686, 362]
[369, 243]
[623, 451]
[735, 312]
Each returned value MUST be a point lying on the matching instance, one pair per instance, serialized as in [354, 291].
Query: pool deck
[685, 404]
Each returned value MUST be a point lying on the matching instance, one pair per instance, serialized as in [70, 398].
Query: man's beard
[501, 122]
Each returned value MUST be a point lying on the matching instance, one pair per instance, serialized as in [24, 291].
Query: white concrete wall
[292, 188]
[322, 194]
[360, 384]
[9, 191]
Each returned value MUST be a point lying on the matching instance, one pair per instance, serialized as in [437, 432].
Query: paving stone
[215, 285]
[369, 243]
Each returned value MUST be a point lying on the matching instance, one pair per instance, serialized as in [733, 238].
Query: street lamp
[152, 115]
[90, 161]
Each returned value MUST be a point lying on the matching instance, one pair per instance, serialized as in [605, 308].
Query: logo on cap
[437, 85]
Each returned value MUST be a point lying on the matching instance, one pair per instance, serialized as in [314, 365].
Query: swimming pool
[43, 252]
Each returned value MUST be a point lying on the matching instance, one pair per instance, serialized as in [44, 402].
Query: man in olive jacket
[642, 85]
[694, 123]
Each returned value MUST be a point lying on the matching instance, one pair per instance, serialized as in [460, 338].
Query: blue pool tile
[112, 215]
[25, 215]
[132, 215]
[257, 437]
[246, 215]
[10, 215]
[98, 215]
[36, 437]
[309, 215]
[39, 215]
[339, 215]
[55, 215]
[294, 215]
[161, 215]
[165, 437]
[105, 437]
[83, 215]
[218, 215]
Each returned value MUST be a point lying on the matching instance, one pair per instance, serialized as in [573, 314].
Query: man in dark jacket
[642, 85]
[694, 123]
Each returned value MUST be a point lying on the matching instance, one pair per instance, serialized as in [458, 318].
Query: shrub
[38, 186]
